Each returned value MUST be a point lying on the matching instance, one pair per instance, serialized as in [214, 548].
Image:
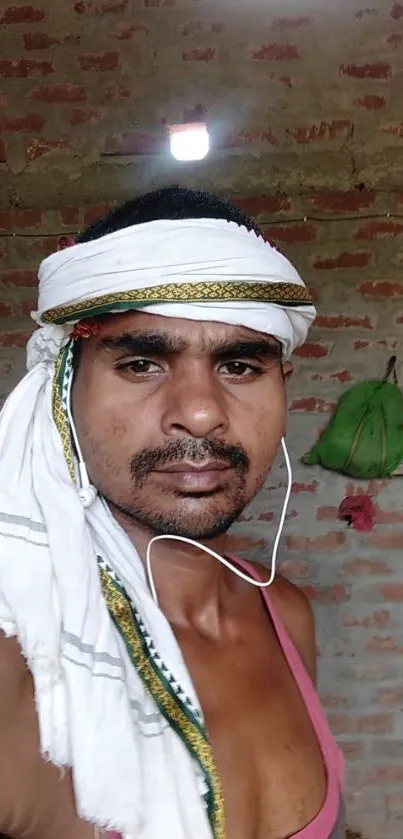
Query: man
[146, 687]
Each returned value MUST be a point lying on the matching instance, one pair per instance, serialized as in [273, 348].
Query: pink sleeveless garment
[330, 821]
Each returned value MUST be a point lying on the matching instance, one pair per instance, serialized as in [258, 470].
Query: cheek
[265, 427]
[108, 416]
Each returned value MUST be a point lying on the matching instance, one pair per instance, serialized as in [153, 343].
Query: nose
[195, 404]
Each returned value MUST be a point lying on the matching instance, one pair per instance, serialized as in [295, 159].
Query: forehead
[189, 332]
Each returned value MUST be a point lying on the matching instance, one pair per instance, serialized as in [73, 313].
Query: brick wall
[303, 100]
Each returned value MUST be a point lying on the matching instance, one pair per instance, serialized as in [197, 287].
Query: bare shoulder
[296, 614]
[13, 673]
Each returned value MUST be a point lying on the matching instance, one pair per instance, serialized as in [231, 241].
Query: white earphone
[87, 493]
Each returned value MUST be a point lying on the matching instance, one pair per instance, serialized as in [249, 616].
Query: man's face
[178, 421]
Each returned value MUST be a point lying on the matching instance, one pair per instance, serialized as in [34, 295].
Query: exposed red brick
[371, 102]
[91, 214]
[38, 41]
[344, 322]
[251, 138]
[361, 13]
[329, 542]
[197, 27]
[291, 233]
[345, 259]
[388, 516]
[391, 698]
[350, 750]
[387, 540]
[371, 724]
[361, 567]
[261, 205]
[100, 62]
[376, 229]
[327, 594]
[288, 81]
[100, 7]
[14, 220]
[343, 202]
[276, 52]
[392, 592]
[197, 54]
[115, 90]
[384, 644]
[393, 128]
[25, 307]
[321, 131]
[266, 516]
[27, 124]
[134, 142]
[312, 404]
[6, 310]
[379, 619]
[69, 216]
[18, 338]
[294, 568]
[377, 70]
[382, 288]
[371, 488]
[334, 700]
[125, 31]
[394, 40]
[390, 344]
[59, 93]
[396, 11]
[299, 487]
[39, 146]
[23, 68]
[327, 514]
[42, 41]
[312, 349]
[17, 278]
[22, 14]
[292, 22]
[80, 116]
[342, 376]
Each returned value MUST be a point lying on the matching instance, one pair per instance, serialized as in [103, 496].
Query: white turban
[201, 269]
[114, 699]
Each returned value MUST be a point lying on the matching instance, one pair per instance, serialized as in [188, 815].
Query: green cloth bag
[364, 438]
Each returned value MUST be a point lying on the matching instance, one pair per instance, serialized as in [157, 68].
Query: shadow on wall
[354, 834]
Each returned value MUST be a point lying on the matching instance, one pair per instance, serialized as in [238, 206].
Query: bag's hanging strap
[391, 370]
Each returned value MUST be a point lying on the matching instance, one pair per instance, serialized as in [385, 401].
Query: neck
[193, 588]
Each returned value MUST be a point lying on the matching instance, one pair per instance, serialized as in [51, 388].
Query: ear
[287, 369]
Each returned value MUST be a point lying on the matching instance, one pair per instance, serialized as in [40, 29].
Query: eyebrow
[159, 344]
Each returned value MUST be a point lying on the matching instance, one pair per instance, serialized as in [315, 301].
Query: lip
[196, 468]
[194, 477]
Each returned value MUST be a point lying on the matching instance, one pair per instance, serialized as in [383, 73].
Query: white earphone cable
[222, 559]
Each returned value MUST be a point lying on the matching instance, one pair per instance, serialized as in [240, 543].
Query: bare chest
[267, 753]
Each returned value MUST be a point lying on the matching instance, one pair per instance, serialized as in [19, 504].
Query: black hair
[173, 202]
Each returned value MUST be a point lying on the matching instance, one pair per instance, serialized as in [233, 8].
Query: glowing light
[189, 142]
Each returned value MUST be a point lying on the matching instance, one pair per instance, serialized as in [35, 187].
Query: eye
[140, 366]
[239, 369]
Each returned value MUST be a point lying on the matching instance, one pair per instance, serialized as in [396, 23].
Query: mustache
[193, 451]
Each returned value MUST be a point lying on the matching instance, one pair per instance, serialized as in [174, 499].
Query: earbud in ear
[87, 495]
